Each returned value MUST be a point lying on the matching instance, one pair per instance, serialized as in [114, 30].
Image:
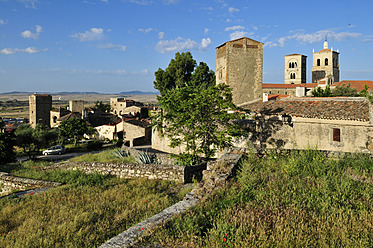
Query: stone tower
[39, 107]
[325, 64]
[239, 63]
[295, 69]
[76, 106]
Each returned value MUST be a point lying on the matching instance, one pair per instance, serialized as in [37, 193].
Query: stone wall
[163, 158]
[9, 183]
[151, 171]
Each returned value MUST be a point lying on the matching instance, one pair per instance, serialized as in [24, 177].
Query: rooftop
[357, 84]
[332, 108]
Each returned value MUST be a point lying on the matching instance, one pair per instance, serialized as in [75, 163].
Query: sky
[112, 46]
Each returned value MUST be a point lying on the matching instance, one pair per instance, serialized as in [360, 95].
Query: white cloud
[239, 34]
[205, 43]
[89, 35]
[232, 10]
[140, 2]
[161, 35]
[118, 72]
[115, 47]
[30, 35]
[171, 1]
[30, 50]
[3, 22]
[234, 28]
[145, 30]
[255, 28]
[206, 30]
[31, 4]
[314, 37]
[181, 44]
[228, 20]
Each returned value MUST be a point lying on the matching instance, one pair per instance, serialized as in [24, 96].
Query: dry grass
[300, 200]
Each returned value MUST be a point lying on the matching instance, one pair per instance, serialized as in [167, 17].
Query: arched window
[326, 61]
[318, 62]
[295, 64]
[290, 65]
[54, 119]
[293, 75]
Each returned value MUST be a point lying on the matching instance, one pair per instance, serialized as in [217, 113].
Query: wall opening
[336, 135]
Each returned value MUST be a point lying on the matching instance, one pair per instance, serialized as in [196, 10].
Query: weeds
[293, 200]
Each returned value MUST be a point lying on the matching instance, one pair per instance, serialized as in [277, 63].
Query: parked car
[54, 150]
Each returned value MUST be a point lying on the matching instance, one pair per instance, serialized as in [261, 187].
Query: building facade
[295, 69]
[325, 65]
[40, 106]
[239, 63]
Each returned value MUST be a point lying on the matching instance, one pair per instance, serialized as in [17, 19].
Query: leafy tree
[182, 71]
[365, 93]
[31, 140]
[344, 91]
[194, 109]
[102, 106]
[74, 128]
[319, 92]
[7, 143]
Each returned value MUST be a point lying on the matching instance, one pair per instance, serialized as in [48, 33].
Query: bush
[94, 145]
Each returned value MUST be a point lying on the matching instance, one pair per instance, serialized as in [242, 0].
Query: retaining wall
[151, 171]
[9, 183]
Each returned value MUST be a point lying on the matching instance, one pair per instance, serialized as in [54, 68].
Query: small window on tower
[318, 62]
[336, 135]
[326, 61]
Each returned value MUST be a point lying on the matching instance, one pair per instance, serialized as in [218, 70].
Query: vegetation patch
[86, 212]
[296, 200]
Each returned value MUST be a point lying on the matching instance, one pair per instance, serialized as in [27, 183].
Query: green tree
[195, 111]
[182, 71]
[344, 91]
[365, 93]
[74, 128]
[7, 142]
[102, 106]
[319, 92]
[31, 140]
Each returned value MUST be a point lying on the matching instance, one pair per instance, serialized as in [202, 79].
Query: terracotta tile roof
[325, 50]
[71, 115]
[288, 86]
[333, 108]
[295, 54]
[276, 96]
[139, 123]
[357, 84]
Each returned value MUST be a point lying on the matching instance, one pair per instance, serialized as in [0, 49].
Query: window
[295, 65]
[290, 65]
[326, 61]
[318, 62]
[336, 135]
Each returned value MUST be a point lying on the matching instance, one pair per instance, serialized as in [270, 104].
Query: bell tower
[325, 65]
[295, 69]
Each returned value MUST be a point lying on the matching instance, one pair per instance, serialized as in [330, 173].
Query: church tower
[325, 64]
[295, 69]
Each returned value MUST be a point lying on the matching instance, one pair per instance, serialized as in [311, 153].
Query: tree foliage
[194, 109]
[31, 140]
[344, 91]
[102, 106]
[182, 71]
[366, 93]
[7, 143]
[74, 128]
[319, 92]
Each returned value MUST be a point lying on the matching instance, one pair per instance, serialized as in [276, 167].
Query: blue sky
[111, 46]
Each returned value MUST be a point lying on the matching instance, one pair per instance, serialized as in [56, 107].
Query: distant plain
[19, 108]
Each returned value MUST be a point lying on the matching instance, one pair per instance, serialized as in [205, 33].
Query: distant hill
[87, 93]
[139, 93]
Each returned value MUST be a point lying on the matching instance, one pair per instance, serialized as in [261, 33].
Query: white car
[54, 150]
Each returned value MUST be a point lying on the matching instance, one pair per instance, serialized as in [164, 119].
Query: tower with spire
[325, 64]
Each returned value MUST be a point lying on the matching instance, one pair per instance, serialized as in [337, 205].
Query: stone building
[239, 63]
[336, 124]
[121, 106]
[325, 64]
[76, 106]
[137, 132]
[295, 69]
[39, 107]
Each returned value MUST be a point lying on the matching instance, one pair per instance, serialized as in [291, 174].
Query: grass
[87, 211]
[296, 200]
[104, 156]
